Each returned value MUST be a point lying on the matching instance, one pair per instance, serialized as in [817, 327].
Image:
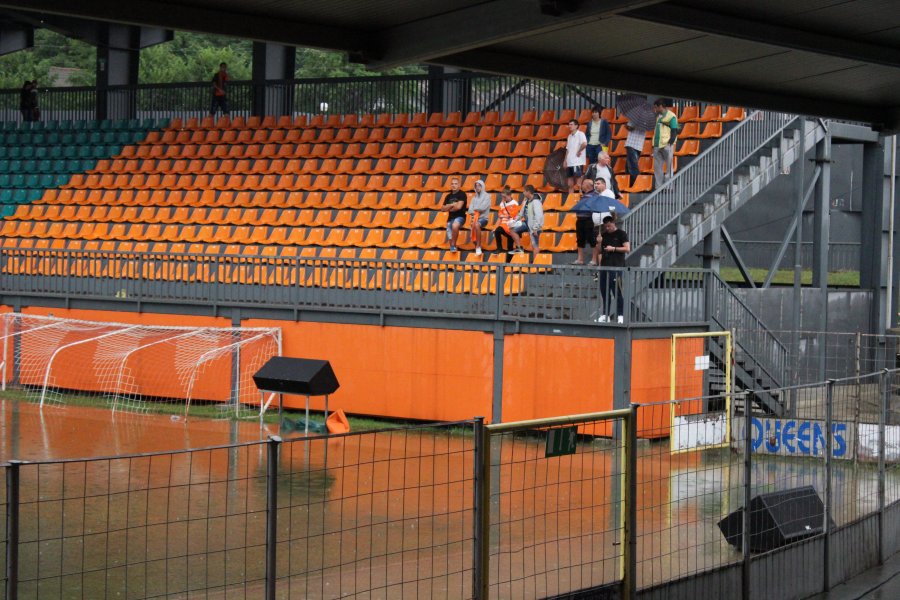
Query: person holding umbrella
[641, 119]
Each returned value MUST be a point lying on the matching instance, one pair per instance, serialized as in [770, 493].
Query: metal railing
[716, 164]
[333, 95]
[525, 509]
[757, 345]
[517, 291]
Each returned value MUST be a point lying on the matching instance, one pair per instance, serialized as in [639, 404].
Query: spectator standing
[575, 147]
[530, 220]
[584, 223]
[601, 190]
[634, 147]
[664, 135]
[598, 135]
[479, 208]
[220, 91]
[28, 101]
[455, 206]
[506, 213]
[602, 170]
[615, 245]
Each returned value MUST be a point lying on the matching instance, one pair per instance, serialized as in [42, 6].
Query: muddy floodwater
[374, 515]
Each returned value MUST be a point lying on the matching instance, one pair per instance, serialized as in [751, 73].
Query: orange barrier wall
[650, 382]
[429, 374]
[547, 376]
[152, 371]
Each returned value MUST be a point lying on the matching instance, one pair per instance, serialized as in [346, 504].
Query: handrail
[477, 290]
[757, 342]
[666, 204]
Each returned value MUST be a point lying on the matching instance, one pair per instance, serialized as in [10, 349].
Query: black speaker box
[301, 376]
[776, 519]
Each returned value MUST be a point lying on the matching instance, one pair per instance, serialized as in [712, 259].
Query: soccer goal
[700, 389]
[136, 368]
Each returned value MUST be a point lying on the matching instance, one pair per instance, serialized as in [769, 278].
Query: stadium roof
[835, 58]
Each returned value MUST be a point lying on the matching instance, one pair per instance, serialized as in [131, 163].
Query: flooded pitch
[375, 515]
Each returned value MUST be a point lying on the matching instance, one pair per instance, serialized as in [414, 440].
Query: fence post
[271, 513]
[748, 495]
[882, 445]
[629, 583]
[12, 530]
[482, 577]
[501, 283]
[826, 527]
[480, 510]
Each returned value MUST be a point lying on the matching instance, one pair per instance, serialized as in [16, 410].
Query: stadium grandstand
[308, 222]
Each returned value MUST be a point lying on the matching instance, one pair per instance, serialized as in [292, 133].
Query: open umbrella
[637, 110]
[555, 170]
[595, 203]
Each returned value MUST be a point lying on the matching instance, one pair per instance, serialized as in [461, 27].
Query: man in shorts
[584, 224]
[575, 146]
[455, 206]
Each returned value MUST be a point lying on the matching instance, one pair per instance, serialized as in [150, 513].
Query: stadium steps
[711, 189]
[749, 376]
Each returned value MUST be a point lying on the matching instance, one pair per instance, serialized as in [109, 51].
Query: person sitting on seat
[455, 205]
[530, 221]
[479, 208]
[507, 211]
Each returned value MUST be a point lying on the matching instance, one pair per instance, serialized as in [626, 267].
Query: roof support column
[273, 76]
[118, 61]
[821, 237]
[875, 224]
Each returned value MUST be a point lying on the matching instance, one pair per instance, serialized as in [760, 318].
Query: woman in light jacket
[530, 221]
[479, 208]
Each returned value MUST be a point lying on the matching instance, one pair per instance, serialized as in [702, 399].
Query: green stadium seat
[30, 166]
[6, 196]
[7, 210]
[4, 180]
[20, 196]
[27, 152]
[4, 153]
[58, 166]
[70, 151]
[41, 152]
[4, 166]
[46, 181]
[31, 180]
[17, 180]
[65, 124]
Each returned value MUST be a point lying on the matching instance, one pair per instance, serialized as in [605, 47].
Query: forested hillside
[189, 57]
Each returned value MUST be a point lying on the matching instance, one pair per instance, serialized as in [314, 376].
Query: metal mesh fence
[520, 510]
[386, 514]
[556, 502]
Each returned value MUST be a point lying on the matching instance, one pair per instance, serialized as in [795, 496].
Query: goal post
[136, 368]
[700, 390]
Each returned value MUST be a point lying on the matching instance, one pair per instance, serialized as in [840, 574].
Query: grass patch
[786, 277]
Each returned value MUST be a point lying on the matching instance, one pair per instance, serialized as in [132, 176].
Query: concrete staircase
[673, 219]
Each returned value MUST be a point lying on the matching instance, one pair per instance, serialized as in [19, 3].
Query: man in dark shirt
[220, 95]
[455, 205]
[614, 246]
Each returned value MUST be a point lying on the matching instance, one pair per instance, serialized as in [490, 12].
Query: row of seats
[263, 217]
[373, 150]
[53, 199]
[690, 113]
[317, 166]
[364, 135]
[29, 138]
[85, 124]
[156, 250]
[82, 151]
[287, 182]
[245, 234]
[356, 269]
[62, 165]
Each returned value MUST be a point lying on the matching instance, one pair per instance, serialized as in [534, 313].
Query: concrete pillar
[822, 215]
[448, 95]
[118, 60]
[622, 368]
[273, 63]
[712, 250]
[874, 243]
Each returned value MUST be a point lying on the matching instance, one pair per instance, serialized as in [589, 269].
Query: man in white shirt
[575, 145]
[602, 169]
[634, 146]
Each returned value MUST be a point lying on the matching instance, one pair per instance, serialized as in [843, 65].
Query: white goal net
[189, 370]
